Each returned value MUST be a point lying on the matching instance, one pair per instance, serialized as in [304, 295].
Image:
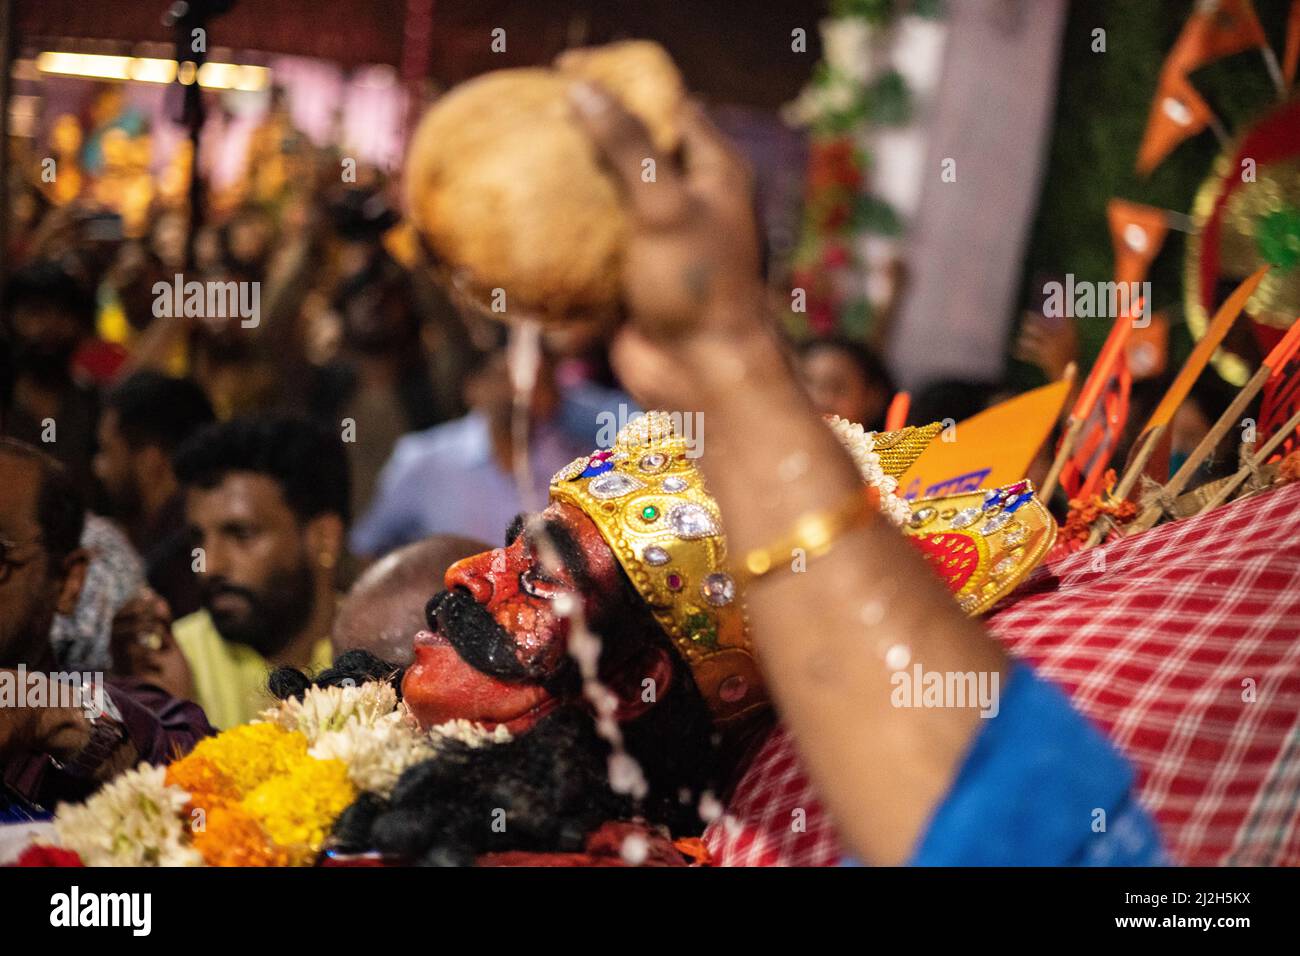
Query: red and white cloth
[1182, 643]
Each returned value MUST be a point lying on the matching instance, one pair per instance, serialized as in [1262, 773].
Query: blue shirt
[1041, 786]
[445, 480]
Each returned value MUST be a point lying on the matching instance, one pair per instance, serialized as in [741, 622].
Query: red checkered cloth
[1183, 643]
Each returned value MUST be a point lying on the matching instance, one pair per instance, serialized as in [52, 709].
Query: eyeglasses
[7, 560]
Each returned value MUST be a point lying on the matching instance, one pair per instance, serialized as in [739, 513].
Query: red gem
[675, 582]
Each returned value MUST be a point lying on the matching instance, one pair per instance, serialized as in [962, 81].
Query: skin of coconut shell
[509, 194]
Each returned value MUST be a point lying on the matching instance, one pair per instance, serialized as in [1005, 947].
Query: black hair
[60, 509]
[871, 366]
[156, 409]
[305, 459]
[361, 214]
[351, 669]
[49, 282]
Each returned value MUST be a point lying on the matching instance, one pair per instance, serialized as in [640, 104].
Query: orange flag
[1214, 30]
[1282, 391]
[1291, 53]
[1157, 466]
[896, 416]
[1177, 113]
[1137, 233]
[994, 448]
[1102, 406]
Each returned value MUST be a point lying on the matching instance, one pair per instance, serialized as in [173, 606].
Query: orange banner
[1137, 233]
[1177, 113]
[1213, 31]
[993, 448]
[1104, 368]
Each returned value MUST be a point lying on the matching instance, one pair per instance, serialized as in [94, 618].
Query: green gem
[649, 512]
[702, 630]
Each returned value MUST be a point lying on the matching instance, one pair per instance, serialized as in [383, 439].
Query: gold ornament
[649, 502]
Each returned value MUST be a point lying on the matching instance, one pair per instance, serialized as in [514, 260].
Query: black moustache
[480, 641]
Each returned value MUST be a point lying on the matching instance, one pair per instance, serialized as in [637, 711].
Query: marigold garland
[262, 794]
[230, 836]
[298, 809]
[1083, 514]
[1289, 468]
[240, 759]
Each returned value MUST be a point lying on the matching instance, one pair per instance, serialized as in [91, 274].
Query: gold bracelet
[814, 532]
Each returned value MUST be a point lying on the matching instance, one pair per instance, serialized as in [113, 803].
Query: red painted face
[494, 639]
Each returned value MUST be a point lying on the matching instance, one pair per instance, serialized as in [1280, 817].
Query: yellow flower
[297, 809]
[235, 762]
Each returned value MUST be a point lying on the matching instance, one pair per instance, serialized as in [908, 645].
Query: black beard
[552, 783]
[275, 616]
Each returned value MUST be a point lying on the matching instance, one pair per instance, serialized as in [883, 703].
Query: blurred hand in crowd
[1050, 344]
[144, 647]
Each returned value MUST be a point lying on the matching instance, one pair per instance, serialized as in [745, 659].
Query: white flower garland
[324, 709]
[860, 444]
[134, 820]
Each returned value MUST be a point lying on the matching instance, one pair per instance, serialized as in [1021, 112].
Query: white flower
[375, 754]
[860, 444]
[470, 733]
[135, 820]
[323, 709]
[378, 753]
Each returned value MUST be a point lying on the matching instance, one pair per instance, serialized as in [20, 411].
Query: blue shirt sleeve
[1040, 786]
[388, 518]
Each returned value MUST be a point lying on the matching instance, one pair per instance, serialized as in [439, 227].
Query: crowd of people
[238, 477]
[201, 501]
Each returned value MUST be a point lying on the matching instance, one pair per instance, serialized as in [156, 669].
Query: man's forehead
[238, 494]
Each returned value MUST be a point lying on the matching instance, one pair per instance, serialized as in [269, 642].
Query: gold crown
[647, 498]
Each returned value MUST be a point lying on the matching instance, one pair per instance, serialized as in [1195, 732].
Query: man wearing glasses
[62, 736]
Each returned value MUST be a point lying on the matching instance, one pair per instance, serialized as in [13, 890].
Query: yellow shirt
[230, 678]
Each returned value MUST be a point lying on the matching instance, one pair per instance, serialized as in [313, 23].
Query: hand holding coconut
[583, 192]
